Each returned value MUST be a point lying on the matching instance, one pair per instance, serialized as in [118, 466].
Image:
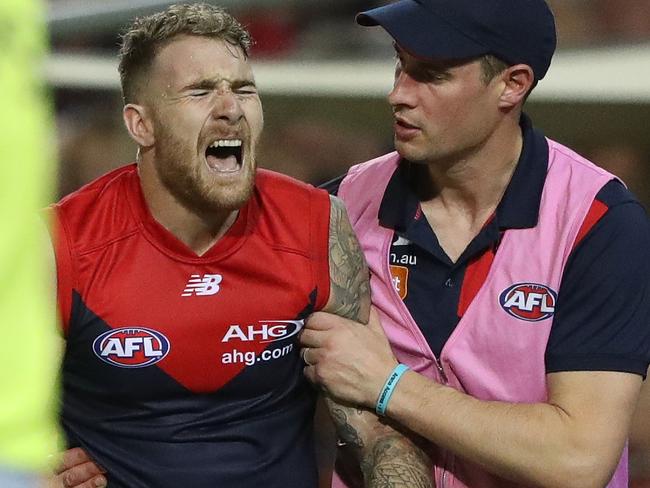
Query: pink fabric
[492, 354]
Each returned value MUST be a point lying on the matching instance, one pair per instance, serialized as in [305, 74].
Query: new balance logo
[202, 285]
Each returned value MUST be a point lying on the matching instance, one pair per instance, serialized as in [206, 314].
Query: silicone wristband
[389, 386]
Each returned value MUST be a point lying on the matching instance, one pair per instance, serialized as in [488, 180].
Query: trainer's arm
[573, 439]
[386, 457]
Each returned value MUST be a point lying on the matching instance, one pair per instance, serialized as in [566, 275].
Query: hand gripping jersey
[183, 370]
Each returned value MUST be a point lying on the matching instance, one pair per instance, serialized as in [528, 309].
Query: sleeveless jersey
[182, 369]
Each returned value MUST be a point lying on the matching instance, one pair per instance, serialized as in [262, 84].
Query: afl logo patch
[529, 301]
[131, 347]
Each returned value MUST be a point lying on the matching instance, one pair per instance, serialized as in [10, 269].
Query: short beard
[183, 179]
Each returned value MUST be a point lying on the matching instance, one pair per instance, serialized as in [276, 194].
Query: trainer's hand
[350, 360]
[77, 470]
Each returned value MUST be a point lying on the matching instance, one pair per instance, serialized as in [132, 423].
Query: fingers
[81, 476]
[311, 338]
[72, 457]
[319, 326]
[324, 321]
[77, 470]
[303, 355]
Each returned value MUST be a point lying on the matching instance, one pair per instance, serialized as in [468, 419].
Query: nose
[402, 94]
[227, 107]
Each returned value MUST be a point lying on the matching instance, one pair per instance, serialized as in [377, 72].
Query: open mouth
[225, 155]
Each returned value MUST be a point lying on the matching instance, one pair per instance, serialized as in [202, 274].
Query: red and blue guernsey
[183, 370]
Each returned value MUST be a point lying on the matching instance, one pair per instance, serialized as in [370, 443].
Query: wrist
[388, 388]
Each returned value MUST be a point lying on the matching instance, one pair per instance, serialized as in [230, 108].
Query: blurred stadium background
[323, 82]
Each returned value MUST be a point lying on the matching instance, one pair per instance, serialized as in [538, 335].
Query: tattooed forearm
[350, 290]
[387, 458]
[347, 434]
[394, 462]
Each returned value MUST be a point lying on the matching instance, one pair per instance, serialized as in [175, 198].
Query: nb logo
[202, 285]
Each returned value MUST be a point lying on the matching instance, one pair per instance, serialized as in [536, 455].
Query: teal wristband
[389, 386]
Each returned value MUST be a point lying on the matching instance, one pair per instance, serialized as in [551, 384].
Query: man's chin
[231, 199]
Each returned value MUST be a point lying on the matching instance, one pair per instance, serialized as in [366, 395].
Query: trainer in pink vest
[492, 354]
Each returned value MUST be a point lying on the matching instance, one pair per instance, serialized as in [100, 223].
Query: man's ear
[518, 81]
[139, 124]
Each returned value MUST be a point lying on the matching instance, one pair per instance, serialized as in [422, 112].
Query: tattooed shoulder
[349, 285]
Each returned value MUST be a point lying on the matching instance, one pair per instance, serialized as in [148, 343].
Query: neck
[475, 182]
[197, 230]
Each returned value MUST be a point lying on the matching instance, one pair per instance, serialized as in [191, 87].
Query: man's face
[207, 119]
[443, 110]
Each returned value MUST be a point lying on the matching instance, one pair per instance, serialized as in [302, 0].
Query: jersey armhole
[319, 233]
[64, 267]
[596, 212]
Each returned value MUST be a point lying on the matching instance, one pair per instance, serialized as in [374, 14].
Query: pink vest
[494, 353]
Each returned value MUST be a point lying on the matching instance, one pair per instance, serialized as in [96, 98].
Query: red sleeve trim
[320, 230]
[596, 212]
[475, 276]
[64, 269]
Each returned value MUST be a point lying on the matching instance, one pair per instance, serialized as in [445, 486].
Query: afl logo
[131, 347]
[529, 301]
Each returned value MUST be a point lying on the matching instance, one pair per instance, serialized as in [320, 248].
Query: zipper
[445, 463]
[400, 305]
[441, 371]
[443, 478]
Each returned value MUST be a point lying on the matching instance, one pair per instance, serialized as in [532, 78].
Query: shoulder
[291, 213]
[604, 300]
[98, 191]
[278, 193]
[615, 193]
[623, 222]
[98, 211]
[361, 171]
[382, 165]
[272, 184]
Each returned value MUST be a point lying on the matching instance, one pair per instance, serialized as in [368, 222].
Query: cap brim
[421, 32]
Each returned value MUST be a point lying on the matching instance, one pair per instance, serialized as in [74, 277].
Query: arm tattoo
[349, 286]
[347, 433]
[394, 463]
[386, 458]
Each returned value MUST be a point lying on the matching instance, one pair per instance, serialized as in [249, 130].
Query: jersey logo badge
[264, 331]
[205, 285]
[131, 347]
[400, 277]
[529, 301]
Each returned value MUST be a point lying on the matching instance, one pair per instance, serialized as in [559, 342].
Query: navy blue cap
[515, 31]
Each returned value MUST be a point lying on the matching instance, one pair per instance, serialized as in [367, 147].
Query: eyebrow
[433, 64]
[211, 84]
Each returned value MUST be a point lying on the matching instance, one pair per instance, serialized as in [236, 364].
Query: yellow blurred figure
[28, 342]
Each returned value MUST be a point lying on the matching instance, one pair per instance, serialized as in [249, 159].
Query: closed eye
[245, 89]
